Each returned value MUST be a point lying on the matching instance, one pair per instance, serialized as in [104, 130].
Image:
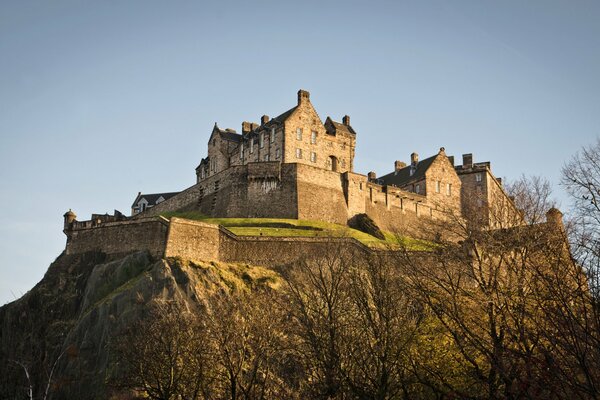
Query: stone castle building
[297, 166]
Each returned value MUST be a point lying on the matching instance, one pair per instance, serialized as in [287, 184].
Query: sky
[100, 100]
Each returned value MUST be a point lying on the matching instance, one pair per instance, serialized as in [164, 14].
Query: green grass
[279, 227]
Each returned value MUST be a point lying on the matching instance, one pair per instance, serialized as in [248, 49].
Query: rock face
[365, 224]
[70, 317]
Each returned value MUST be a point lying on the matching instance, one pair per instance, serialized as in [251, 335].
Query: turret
[69, 217]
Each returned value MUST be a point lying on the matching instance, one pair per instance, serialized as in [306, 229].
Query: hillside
[83, 303]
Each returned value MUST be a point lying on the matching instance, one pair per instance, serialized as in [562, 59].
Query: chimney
[246, 127]
[303, 96]
[451, 159]
[254, 126]
[264, 119]
[414, 159]
[467, 161]
[346, 120]
[499, 180]
[372, 176]
[398, 165]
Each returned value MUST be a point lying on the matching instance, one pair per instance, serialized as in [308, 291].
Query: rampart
[301, 191]
[119, 237]
[194, 240]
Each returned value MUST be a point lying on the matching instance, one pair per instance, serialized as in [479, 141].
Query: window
[241, 150]
[478, 177]
[438, 186]
[313, 137]
[214, 142]
[261, 140]
[272, 135]
[417, 188]
[277, 154]
[251, 145]
[267, 157]
[313, 157]
[298, 133]
[298, 153]
[448, 189]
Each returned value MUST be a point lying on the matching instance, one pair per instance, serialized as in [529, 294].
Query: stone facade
[296, 166]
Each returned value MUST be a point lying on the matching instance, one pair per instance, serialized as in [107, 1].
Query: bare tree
[166, 355]
[318, 302]
[581, 179]
[246, 331]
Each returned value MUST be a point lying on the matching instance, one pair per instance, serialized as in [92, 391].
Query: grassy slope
[300, 228]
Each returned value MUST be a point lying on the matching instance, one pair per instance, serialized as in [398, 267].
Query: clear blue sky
[100, 100]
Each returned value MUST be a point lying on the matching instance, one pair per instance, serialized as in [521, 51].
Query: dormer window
[298, 133]
[261, 140]
[272, 135]
[251, 145]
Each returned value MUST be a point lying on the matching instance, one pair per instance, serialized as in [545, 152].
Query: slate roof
[231, 136]
[285, 115]
[403, 177]
[338, 127]
[151, 198]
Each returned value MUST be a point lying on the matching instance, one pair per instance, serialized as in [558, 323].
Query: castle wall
[276, 251]
[121, 237]
[321, 195]
[193, 240]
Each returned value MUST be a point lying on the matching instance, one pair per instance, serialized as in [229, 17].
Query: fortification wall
[321, 195]
[277, 251]
[254, 190]
[193, 240]
[121, 237]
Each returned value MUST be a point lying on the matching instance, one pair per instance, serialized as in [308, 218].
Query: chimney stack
[346, 120]
[254, 126]
[499, 180]
[398, 165]
[246, 127]
[303, 96]
[467, 161]
[414, 159]
[372, 176]
[451, 159]
[264, 119]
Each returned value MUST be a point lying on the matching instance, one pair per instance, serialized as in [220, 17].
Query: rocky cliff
[60, 332]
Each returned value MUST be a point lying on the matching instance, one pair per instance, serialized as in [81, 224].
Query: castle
[296, 166]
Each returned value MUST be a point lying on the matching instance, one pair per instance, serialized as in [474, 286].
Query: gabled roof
[403, 177]
[333, 127]
[226, 134]
[151, 198]
[285, 115]
[202, 162]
